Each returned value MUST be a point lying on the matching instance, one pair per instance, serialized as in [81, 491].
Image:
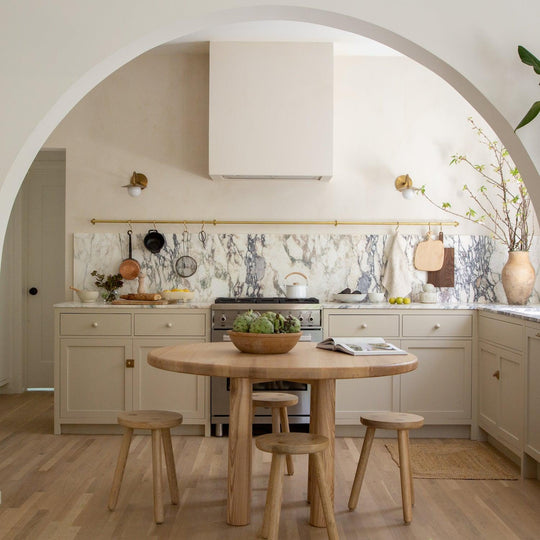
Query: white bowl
[351, 298]
[376, 297]
[181, 296]
[87, 296]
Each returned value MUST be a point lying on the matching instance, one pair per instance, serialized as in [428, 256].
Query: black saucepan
[154, 241]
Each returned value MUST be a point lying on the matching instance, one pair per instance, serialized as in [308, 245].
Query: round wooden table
[304, 363]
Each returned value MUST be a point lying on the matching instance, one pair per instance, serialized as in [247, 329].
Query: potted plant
[502, 206]
[530, 60]
[110, 284]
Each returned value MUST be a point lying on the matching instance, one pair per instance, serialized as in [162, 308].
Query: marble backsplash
[232, 264]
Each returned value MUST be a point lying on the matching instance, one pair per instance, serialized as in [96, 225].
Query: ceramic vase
[518, 277]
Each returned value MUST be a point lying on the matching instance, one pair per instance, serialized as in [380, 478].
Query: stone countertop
[104, 305]
[529, 313]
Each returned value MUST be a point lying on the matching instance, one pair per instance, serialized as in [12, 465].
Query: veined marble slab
[256, 264]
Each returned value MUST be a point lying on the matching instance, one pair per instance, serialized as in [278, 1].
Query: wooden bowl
[264, 343]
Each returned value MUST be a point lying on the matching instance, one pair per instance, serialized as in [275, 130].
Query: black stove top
[265, 300]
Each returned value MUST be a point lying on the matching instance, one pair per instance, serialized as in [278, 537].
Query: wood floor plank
[56, 487]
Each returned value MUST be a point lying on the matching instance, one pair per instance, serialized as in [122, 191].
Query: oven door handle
[226, 337]
[305, 337]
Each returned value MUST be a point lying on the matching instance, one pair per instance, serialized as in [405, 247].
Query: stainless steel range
[224, 311]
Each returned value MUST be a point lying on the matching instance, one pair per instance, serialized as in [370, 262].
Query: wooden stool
[278, 402]
[389, 420]
[160, 422]
[281, 445]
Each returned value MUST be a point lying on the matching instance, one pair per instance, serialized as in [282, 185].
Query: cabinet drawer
[363, 325]
[437, 325]
[95, 324]
[501, 332]
[177, 324]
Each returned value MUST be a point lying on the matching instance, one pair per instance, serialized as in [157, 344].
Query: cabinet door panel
[488, 387]
[94, 380]
[159, 389]
[533, 393]
[511, 399]
[440, 388]
[357, 396]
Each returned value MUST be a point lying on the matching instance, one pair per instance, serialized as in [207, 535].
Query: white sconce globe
[134, 191]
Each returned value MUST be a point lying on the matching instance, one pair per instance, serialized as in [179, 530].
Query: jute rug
[457, 459]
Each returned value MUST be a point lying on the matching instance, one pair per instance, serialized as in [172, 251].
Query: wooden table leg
[239, 473]
[323, 422]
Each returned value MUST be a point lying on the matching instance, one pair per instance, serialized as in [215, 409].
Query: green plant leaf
[529, 59]
[531, 115]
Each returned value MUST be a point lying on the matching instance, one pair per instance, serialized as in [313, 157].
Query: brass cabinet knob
[437, 326]
[95, 324]
[130, 363]
[363, 325]
[169, 325]
[497, 375]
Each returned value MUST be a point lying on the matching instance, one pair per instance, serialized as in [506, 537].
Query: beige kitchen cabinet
[101, 366]
[440, 389]
[500, 379]
[94, 384]
[158, 389]
[532, 385]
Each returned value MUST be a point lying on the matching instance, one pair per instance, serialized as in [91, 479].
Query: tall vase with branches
[503, 207]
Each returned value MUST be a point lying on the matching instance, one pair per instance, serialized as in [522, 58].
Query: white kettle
[296, 290]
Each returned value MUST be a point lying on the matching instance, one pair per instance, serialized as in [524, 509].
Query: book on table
[360, 346]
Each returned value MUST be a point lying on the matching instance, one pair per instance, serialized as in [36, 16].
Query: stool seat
[150, 419]
[392, 420]
[278, 403]
[291, 443]
[160, 424]
[274, 399]
[281, 445]
[402, 422]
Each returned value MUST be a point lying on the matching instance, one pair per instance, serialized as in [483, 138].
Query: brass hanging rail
[335, 223]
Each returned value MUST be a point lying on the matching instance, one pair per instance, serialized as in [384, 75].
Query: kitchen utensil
[180, 296]
[264, 343]
[445, 276]
[203, 236]
[154, 241]
[349, 298]
[185, 265]
[429, 254]
[74, 288]
[86, 296]
[141, 296]
[296, 290]
[141, 286]
[129, 268]
[140, 302]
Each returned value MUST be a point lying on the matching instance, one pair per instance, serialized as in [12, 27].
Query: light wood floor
[56, 487]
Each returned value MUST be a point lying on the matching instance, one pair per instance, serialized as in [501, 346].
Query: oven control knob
[223, 318]
[300, 318]
[311, 319]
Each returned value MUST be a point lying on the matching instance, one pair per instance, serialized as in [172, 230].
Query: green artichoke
[262, 325]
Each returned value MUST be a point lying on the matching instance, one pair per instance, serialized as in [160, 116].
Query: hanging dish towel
[397, 277]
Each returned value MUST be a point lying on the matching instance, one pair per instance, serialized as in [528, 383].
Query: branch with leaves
[530, 60]
[502, 204]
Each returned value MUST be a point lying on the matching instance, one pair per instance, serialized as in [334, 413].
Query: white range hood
[271, 110]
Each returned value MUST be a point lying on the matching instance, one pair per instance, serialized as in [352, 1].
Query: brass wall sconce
[404, 184]
[137, 183]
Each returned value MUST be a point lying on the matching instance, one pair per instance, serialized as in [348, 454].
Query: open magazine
[359, 346]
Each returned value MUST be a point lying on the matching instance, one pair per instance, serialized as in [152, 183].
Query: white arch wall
[52, 54]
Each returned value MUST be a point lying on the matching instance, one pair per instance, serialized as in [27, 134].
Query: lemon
[399, 300]
[406, 300]
[392, 300]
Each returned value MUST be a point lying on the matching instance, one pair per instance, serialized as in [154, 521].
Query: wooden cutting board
[141, 296]
[429, 254]
[140, 302]
[445, 277]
